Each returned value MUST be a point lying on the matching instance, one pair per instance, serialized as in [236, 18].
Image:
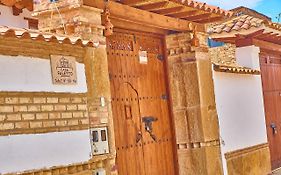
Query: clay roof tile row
[44, 36]
[243, 22]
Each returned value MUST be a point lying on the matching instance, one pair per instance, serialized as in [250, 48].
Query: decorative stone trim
[79, 168]
[240, 152]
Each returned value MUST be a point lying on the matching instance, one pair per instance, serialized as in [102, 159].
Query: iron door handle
[148, 120]
[274, 128]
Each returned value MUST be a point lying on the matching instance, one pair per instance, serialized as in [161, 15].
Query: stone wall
[26, 113]
[224, 54]
[193, 105]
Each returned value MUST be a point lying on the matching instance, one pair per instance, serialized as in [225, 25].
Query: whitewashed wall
[35, 151]
[8, 19]
[27, 74]
[239, 102]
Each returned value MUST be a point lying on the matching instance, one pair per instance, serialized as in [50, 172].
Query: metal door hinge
[160, 57]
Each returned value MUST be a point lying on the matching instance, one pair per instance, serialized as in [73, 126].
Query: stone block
[82, 107]
[66, 115]
[71, 107]
[59, 107]
[39, 100]
[11, 100]
[2, 117]
[42, 116]
[49, 123]
[22, 125]
[28, 116]
[25, 100]
[181, 126]
[72, 122]
[52, 100]
[210, 123]
[77, 114]
[36, 124]
[185, 162]
[4, 109]
[195, 124]
[61, 123]
[6, 126]
[213, 160]
[198, 161]
[47, 108]
[20, 108]
[64, 100]
[54, 115]
[33, 108]
[2, 100]
[76, 100]
[191, 84]
[13, 117]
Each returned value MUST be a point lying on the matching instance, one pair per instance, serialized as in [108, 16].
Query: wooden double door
[271, 79]
[142, 123]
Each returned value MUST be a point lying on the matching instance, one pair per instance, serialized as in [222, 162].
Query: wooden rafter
[198, 17]
[153, 6]
[184, 14]
[209, 19]
[167, 11]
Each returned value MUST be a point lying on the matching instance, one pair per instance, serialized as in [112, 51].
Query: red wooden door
[142, 125]
[271, 80]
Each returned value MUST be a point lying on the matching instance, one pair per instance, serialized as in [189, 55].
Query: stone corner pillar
[193, 105]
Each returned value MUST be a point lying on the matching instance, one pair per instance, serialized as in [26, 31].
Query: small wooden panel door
[271, 80]
[142, 124]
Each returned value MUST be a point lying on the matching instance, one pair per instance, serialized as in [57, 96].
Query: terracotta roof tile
[238, 23]
[44, 36]
[20, 4]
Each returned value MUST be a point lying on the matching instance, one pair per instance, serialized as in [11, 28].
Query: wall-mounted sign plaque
[63, 70]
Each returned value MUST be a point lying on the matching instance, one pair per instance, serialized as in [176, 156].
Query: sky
[270, 8]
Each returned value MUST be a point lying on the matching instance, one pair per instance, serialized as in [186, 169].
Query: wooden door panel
[271, 81]
[139, 91]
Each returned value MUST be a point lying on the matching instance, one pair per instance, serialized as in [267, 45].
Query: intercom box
[99, 140]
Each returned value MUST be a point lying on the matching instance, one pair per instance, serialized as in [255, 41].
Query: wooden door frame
[161, 34]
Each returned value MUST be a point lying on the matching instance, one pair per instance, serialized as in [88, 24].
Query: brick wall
[42, 112]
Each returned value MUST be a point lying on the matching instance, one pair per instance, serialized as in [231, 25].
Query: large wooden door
[271, 80]
[142, 125]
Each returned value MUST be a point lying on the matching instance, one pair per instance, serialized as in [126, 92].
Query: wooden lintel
[153, 6]
[244, 42]
[267, 45]
[16, 11]
[144, 17]
[167, 11]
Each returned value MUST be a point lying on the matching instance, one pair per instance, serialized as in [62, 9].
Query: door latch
[274, 128]
[148, 125]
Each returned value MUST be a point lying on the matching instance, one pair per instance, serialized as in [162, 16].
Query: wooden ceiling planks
[189, 10]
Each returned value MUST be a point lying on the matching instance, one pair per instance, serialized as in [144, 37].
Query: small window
[212, 43]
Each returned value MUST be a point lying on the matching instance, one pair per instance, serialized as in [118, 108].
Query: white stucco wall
[35, 151]
[8, 19]
[239, 102]
[19, 73]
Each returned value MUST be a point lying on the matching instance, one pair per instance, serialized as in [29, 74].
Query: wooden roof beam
[132, 2]
[167, 11]
[184, 14]
[124, 12]
[153, 6]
